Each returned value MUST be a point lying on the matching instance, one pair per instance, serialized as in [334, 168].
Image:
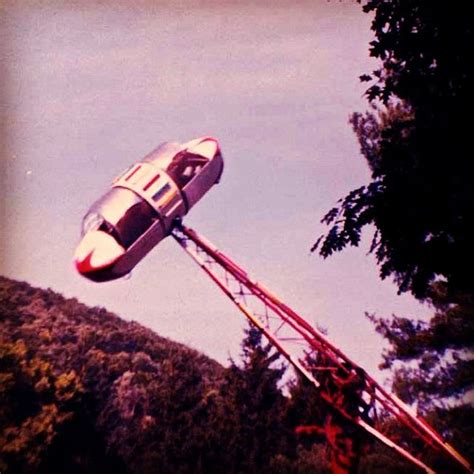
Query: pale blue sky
[90, 88]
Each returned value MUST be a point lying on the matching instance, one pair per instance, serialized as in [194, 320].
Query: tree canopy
[254, 398]
[416, 141]
[83, 391]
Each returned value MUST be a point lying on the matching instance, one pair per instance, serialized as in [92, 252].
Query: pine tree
[432, 364]
[255, 404]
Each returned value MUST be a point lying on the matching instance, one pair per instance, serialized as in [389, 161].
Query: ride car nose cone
[97, 250]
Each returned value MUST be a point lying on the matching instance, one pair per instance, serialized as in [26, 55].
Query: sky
[90, 87]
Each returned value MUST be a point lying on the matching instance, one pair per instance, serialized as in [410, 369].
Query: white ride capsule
[144, 204]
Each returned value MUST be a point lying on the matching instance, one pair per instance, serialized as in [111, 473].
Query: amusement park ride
[147, 202]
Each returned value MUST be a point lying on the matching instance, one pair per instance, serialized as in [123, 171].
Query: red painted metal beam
[212, 261]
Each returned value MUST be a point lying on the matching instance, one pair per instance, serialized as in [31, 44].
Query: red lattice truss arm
[297, 340]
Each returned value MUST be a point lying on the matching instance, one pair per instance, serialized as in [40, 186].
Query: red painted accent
[132, 173]
[150, 183]
[84, 266]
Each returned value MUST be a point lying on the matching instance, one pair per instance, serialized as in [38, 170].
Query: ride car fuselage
[143, 205]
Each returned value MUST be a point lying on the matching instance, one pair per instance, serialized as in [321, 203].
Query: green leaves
[36, 404]
[347, 221]
[252, 397]
[84, 391]
[414, 139]
[420, 199]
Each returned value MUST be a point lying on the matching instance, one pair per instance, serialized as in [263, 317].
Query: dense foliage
[433, 367]
[416, 141]
[82, 391]
[81, 388]
[252, 390]
[441, 348]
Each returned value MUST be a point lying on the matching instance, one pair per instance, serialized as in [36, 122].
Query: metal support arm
[299, 343]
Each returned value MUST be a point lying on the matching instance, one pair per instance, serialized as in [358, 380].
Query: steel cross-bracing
[299, 343]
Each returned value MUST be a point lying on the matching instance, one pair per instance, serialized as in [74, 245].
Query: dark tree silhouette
[416, 140]
[257, 432]
[433, 367]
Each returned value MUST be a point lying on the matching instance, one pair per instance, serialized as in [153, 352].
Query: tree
[36, 405]
[449, 335]
[433, 367]
[416, 140]
[83, 391]
[256, 432]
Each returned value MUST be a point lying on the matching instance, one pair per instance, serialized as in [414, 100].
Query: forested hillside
[82, 390]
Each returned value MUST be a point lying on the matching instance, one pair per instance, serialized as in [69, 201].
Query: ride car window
[122, 214]
[92, 221]
[184, 167]
[135, 221]
[157, 196]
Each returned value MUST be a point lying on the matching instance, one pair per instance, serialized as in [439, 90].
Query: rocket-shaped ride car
[144, 204]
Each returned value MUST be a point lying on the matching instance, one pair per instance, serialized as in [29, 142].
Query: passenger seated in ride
[184, 167]
[188, 172]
